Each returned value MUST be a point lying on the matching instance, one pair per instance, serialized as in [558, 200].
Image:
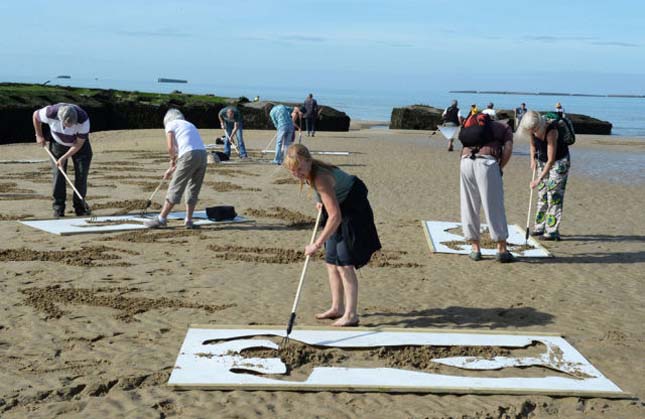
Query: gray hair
[67, 114]
[172, 115]
[530, 122]
[454, 102]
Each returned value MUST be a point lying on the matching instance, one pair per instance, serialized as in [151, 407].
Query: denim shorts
[336, 251]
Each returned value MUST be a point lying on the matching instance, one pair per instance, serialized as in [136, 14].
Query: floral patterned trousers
[550, 199]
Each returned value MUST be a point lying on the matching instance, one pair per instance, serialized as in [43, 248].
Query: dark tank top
[541, 146]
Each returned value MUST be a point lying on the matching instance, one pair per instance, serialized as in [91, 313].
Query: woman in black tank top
[550, 162]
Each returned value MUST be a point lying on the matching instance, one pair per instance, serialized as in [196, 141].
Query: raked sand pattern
[91, 325]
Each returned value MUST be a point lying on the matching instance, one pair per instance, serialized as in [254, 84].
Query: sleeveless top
[343, 183]
[452, 115]
[542, 146]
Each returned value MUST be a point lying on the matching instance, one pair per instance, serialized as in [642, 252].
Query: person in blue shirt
[231, 121]
[280, 115]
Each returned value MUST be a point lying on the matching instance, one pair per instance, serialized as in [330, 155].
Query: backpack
[221, 212]
[452, 115]
[565, 127]
[477, 131]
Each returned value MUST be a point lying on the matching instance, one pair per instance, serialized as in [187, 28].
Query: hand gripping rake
[85, 204]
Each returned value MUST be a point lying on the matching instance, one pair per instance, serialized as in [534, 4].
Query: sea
[626, 114]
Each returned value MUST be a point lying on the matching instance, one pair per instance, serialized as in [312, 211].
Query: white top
[61, 134]
[490, 112]
[187, 137]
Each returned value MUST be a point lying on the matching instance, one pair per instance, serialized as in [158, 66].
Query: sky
[579, 46]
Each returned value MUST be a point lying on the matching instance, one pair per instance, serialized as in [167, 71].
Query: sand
[91, 324]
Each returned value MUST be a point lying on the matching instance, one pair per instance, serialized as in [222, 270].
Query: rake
[292, 318]
[270, 142]
[230, 140]
[86, 206]
[149, 201]
[528, 217]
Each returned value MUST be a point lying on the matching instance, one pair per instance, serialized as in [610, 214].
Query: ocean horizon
[627, 114]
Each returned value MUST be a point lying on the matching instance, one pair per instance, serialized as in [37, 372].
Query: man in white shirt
[68, 136]
[490, 111]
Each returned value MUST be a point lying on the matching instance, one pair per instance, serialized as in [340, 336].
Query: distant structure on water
[64, 76]
[495, 92]
[164, 80]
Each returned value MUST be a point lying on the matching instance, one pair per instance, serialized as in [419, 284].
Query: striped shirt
[65, 135]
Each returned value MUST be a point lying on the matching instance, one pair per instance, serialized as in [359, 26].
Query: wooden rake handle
[230, 140]
[528, 216]
[157, 189]
[270, 142]
[51, 156]
[302, 276]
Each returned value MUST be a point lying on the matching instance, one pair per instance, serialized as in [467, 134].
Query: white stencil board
[68, 226]
[320, 153]
[208, 354]
[437, 235]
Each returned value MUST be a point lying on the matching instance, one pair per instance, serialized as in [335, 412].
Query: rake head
[285, 339]
[88, 210]
[144, 210]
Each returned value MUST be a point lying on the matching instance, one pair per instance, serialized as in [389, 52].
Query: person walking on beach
[231, 121]
[349, 236]
[519, 113]
[481, 184]
[452, 118]
[311, 114]
[187, 167]
[69, 129]
[490, 111]
[280, 115]
[551, 160]
[559, 110]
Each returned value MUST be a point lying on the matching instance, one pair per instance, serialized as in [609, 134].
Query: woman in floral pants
[550, 159]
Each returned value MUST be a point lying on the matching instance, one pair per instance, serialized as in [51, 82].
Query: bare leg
[501, 246]
[350, 287]
[336, 288]
[190, 208]
[167, 207]
[475, 245]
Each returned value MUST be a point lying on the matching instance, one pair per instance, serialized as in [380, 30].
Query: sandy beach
[91, 324]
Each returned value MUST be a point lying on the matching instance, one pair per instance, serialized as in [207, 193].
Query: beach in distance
[92, 324]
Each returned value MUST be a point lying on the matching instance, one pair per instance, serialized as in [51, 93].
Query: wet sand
[91, 324]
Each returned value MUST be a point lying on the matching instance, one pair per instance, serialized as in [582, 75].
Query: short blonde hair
[530, 122]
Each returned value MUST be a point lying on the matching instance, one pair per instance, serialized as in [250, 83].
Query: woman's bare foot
[346, 321]
[330, 314]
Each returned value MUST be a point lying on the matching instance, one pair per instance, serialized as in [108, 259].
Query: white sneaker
[154, 223]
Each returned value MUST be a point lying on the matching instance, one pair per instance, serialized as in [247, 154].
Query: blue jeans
[283, 141]
[240, 139]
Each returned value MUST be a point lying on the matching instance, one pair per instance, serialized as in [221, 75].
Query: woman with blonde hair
[349, 235]
[551, 161]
